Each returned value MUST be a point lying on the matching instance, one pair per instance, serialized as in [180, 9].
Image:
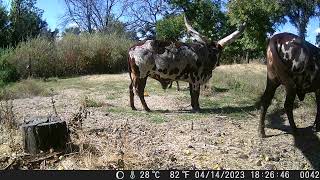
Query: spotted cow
[175, 61]
[294, 63]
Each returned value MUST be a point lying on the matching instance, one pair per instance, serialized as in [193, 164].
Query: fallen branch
[36, 159]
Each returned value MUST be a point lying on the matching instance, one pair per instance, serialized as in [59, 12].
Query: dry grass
[25, 89]
[11, 138]
[224, 135]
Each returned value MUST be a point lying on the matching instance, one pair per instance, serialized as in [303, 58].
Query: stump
[45, 133]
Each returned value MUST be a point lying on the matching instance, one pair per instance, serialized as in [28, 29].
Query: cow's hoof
[133, 108]
[295, 132]
[148, 110]
[262, 134]
[316, 128]
[196, 110]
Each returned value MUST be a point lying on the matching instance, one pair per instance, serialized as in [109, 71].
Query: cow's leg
[178, 87]
[194, 92]
[131, 96]
[141, 84]
[265, 103]
[288, 106]
[317, 121]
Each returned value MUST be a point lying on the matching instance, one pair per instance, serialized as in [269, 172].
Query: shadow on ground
[230, 110]
[219, 110]
[307, 141]
[220, 90]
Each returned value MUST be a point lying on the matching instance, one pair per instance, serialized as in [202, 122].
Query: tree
[262, 18]
[71, 30]
[206, 16]
[48, 33]
[91, 15]
[299, 13]
[143, 15]
[170, 28]
[4, 27]
[25, 20]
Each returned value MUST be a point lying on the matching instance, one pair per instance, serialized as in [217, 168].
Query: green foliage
[262, 17]
[4, 31]
[72, 55]
[170, 28]
[206, 16]
[71, 30]
[92, 53]
[35, 57]
[48, 33]
[90, 102]
[8, 72]
[25, 20]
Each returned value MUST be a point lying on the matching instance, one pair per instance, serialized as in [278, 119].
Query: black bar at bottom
[160, 174]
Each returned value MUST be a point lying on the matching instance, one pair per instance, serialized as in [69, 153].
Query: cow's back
[173, 60]
[299, 61]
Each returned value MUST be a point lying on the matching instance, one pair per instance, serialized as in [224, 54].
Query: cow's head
[216, 45]
[165, 83]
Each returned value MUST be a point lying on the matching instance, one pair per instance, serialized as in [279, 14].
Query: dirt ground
[171, 137]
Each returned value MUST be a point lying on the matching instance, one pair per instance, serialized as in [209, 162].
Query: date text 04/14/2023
[218, 174]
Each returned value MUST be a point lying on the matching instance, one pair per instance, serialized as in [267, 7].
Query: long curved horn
[195, 34]
[232, 37]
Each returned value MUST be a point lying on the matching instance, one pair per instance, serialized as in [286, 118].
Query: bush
[35, 57]
[89, 102]
[8, 72]
[72, 55]
[93, 53]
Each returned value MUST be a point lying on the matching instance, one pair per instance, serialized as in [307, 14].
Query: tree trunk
[303, 28]
[45, 133]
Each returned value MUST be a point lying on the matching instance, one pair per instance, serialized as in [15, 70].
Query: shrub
[72, 55]
[89, 102]
[35, 57]
[8, 72]
[93, 53]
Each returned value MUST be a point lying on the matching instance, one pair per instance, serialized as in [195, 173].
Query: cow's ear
[219, 47]
[216, 46]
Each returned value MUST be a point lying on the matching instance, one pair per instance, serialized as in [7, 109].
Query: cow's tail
[129, 67]
[274, 51]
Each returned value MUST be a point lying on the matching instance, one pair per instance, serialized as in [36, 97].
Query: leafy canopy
[262, 17]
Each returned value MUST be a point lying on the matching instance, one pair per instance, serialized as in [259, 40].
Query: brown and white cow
[175, 61]
[294, 63]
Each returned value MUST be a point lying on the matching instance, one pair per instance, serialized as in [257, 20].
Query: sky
[54, 10]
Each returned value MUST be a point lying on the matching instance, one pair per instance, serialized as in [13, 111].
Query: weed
[89, 102]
